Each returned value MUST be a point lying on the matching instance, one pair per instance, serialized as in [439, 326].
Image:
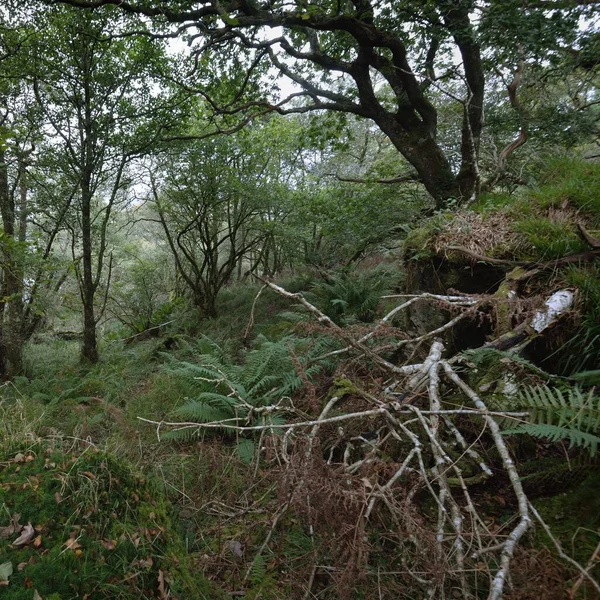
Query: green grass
[571, 180]
[548, 239]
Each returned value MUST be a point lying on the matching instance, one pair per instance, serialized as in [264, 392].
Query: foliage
[556, 415]
[229, 393]
[353, 295]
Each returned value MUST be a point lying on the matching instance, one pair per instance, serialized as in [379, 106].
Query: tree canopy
[393, 63]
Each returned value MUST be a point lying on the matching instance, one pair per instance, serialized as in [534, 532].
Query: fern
[351, 296]
[557, 414]
[227, 393]
[571, 407]
[556, 433]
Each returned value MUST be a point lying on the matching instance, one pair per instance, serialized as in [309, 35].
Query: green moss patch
[81, 524]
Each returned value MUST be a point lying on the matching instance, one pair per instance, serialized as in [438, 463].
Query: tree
[19, 134]
[387, 62]
[100, 97]
[215, 204]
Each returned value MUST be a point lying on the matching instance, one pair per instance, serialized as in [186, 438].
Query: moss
[418, 244]
[574, 518]
[343, 387]
[101, 530]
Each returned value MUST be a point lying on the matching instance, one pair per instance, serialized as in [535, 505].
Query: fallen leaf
[19, 458]
[21, 566]
[236, 548]
[109, 544]
[12, 528]
[57, 497]
[27, 534]
[162, 592]
[6, 570]
[72, 544]
[36, 595]
[29, 458]
[37, 542]
[28, 583]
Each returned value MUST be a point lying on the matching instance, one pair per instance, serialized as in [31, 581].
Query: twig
[251, 320]
[508, 549]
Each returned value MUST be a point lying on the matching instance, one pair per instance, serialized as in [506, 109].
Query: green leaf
[6, 570]
[245, 450]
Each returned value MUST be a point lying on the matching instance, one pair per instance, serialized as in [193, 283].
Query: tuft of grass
[570, 180]
[549, 239]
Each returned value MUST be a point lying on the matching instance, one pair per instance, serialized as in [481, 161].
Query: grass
[537, 223]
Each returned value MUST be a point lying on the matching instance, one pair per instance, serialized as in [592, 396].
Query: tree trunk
[89, 350]
[11, 338]
[422, 151]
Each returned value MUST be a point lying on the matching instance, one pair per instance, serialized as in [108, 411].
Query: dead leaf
[12, 528]
[27, 534]
[36, 595]
[29, 458]
[72, 544]
[37, 542]
[21, 566]
[162, 592]
[19, 458]
[6, 570]
[236, 548]
[109, 544]
[57, 497]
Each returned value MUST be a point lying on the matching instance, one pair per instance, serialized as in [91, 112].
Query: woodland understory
[299, 300]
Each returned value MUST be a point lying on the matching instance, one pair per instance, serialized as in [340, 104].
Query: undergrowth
[80, 523]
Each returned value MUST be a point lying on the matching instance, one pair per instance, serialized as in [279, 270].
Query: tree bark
[89, 349]
[11, 304]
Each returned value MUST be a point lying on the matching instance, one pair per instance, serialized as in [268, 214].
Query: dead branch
[251, 319]
[426, 435]
[580, 257]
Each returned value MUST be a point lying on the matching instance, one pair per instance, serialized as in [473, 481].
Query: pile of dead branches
[431, 438]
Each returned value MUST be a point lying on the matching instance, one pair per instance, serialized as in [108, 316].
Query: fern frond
[203, 412]
[570, 407]
[555, 433]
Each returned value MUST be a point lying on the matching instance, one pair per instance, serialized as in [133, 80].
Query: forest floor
[132, 515]
[422, 431]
